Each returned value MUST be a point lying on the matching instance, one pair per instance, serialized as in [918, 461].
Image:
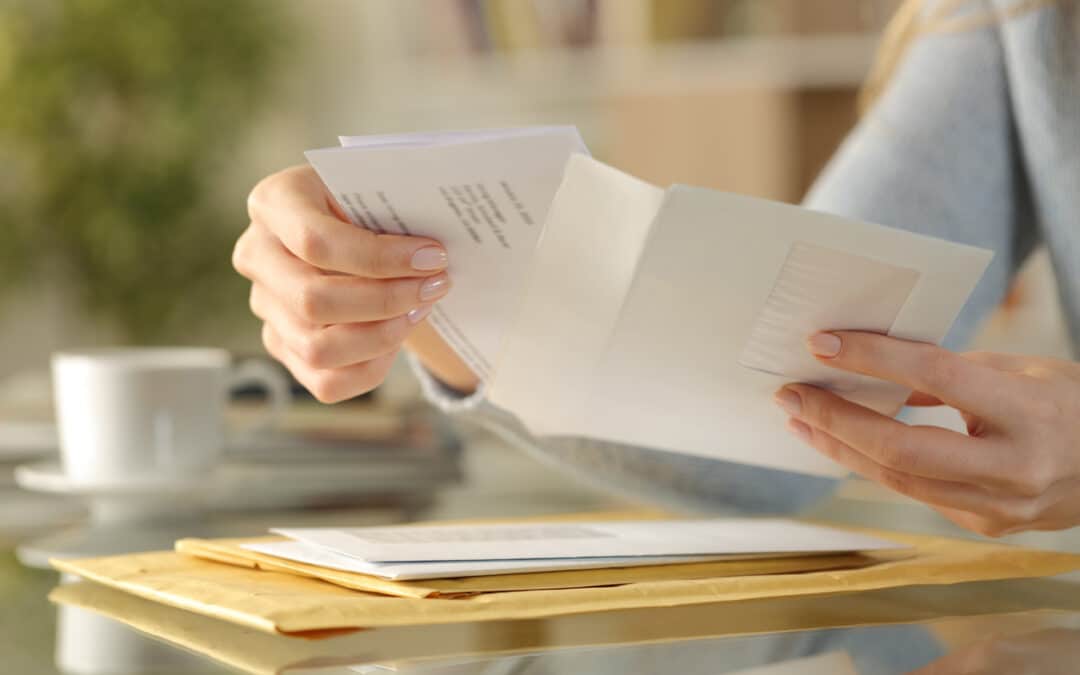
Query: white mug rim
[145, 358]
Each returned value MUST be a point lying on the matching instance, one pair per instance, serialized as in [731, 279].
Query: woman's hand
[1017, 469]
[337, 301]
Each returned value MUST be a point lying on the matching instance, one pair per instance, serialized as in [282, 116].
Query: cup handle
[258, 373]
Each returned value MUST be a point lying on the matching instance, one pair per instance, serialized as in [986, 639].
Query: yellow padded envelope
[261, 653]
[230, 552]
[287, 603]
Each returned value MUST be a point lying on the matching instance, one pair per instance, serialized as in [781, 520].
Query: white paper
[581, 271]
[403, 571]
[632, 539]
[483, 194]
[666, 374]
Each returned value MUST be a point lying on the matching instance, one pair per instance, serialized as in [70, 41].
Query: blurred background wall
[133, 130]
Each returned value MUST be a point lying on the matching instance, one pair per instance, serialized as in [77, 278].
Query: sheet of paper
[583, 266]
[315, 555]
[725, 290]
[636, 539]
[447, 137]
[483, 194]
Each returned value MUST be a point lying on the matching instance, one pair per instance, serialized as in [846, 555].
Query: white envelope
[667, 319]
[309, 554]
[632, 539]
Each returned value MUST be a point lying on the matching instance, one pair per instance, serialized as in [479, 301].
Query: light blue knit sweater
[977, 140]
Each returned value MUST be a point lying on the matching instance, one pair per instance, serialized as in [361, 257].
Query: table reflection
[881, 632]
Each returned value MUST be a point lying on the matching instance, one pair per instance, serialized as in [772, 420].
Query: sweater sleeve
[938, 155]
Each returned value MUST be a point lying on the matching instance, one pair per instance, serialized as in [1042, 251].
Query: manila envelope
[261, 653]
[277, 602]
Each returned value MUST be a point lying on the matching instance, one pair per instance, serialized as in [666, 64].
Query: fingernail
[799, 430]
[429, 258]
[434, 288]
[824, 344]
[419, 314]
[789, 400]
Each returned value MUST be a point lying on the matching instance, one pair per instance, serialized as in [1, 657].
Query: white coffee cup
[132, 415]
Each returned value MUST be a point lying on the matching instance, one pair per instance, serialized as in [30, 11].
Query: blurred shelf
[501, 80]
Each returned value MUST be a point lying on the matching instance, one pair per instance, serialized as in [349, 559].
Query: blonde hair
[913, 19]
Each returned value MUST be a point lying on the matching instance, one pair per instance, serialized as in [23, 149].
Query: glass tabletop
[1030, 626]
[967, 628]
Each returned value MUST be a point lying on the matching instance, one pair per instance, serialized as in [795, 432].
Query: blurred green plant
[117, 119]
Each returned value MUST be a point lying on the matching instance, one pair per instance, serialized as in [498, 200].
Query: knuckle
[378, 256]
[1034, 478]
[254, 301]
[313, 348]
[312, 300]
[817, 409]
[936, 368]
[325, 387]
[389, 334]
[1007, 515]
[241, 253]
[398, 297]
[269, 341]
[893, 452]
[310, 245]
[256, 199]
[370, 378]
[261, 194]
[385, 257]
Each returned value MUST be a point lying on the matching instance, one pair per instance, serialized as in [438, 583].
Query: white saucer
[49, 477]
[254, 485]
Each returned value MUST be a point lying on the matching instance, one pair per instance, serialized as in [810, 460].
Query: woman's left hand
[1018, 467]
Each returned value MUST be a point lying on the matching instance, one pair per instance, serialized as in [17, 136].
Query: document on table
[308, 554]
[651, 317]
[637, 540]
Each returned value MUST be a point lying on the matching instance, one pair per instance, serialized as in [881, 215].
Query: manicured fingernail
[429, 258]
[789, 400]
[799, 430]
[419, 314]
[434, 288]
[824, 344]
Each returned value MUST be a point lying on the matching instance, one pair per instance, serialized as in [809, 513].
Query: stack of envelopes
[329, 579]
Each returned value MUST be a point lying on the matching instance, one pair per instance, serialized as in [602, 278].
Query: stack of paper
[221, 578]
[447, 551]
[593, 304]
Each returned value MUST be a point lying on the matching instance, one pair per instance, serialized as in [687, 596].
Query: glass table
[1019, 626]
[1030, 626]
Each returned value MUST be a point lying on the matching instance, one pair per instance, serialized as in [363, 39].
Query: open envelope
[667, 318]
[287, 603]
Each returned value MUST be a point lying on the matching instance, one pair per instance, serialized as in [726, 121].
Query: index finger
[956, 381]
[298, 209]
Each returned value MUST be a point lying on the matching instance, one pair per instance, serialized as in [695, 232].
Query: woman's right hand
[337, 301]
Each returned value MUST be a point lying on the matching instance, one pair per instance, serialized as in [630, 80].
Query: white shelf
[556, 77]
